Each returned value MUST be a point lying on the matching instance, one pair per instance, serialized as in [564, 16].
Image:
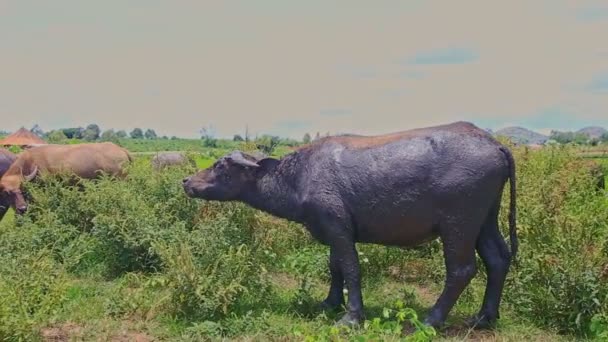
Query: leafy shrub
[560, 281]
[387, 327]
[32, 288]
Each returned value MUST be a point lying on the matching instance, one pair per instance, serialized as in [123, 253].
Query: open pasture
[138, 260]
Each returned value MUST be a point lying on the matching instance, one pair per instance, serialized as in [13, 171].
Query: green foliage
[560, 281]
[56, 137]
[137, 133]
[569, 137]
[121, 134]
[184, 269]
[387, 327]
[109, 135]
[32, 287]
[73, 133]
[267, 143]
[150, 134]
[91, 133]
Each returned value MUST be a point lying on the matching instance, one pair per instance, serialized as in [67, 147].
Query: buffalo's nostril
[185, 180]
[21, 210]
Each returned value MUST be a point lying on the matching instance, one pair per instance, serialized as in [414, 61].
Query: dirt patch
[131, 337]
[64, 332]
[465, 333]
[284, 281]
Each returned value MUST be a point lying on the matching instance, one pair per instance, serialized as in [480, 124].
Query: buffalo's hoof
[330, 306]
[350, 320]
[481, 322]
[436, 324]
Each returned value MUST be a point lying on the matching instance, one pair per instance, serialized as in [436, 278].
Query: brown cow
[83, 160]
[6, 159]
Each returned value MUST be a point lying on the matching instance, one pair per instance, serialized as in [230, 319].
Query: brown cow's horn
[32, 174]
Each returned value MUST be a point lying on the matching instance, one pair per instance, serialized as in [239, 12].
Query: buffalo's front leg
[3, 209]
[335, 298]
[348, 261]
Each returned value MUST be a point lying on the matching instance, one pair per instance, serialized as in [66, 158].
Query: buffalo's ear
[268, 163]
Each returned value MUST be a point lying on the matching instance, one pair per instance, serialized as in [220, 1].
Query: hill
[522, 135]
[593, 131]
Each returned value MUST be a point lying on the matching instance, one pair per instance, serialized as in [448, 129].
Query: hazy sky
[290, 67]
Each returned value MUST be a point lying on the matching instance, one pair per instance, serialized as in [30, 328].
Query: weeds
[196, 270]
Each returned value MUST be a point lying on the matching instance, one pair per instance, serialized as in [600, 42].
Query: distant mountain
[522, 135]
[593, 131]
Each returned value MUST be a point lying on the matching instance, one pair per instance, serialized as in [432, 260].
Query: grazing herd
[402, 189]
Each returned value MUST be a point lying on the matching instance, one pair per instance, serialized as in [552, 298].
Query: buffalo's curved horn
[32, 174]
[238, 158]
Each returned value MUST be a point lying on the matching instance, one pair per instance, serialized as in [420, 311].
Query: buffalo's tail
[513, 205]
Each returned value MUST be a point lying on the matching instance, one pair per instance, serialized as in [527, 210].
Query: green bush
[32, 288]
[563, 227]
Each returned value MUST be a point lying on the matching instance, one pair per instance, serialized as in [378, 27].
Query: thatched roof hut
[22, 137]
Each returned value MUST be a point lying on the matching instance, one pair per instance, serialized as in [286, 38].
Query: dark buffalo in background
[6, 159]
[401, 189]
[86, 161]
[167, 159]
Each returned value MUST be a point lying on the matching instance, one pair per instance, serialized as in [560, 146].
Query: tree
[306, 138]
[109, 135]
[73, 133]
[207, 134]
[56, 137]
[137, 133]
[237, 137]
[121, 134]
[267, 143]
[150, 134]
[604, 137]
[37, 130]
[91, 133]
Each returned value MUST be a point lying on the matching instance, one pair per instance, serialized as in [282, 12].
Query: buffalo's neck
[276, 195]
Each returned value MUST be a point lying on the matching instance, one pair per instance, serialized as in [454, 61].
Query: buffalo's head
[11, 189]
[227, 178]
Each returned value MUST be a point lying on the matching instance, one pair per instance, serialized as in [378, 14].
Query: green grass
[136, 259]
[83, 315]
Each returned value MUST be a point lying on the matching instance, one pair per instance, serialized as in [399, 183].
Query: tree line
[578, 138]
[92, 132]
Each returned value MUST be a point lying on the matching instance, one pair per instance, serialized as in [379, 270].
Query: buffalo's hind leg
[335, 298]
[459, 253]
[496, 257]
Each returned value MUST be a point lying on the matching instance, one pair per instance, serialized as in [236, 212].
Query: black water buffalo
[166, 159]
[6, 159]
[401, 189]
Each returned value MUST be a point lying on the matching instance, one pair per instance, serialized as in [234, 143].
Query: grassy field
[136, 260]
